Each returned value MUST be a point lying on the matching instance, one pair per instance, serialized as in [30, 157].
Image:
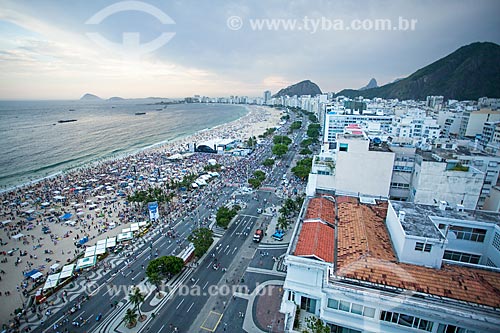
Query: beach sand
[94, 224]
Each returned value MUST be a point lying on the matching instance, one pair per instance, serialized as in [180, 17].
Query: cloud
[51, 55]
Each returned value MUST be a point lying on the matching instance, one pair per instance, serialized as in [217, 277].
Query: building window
[343, 146]
[308, 304]
[354, 308]
[472, 234]
[442, 328]
[340, 329]
[423, 247]
[461, 257]
[406, 320]
[490, 263]
[333, 304]
[496, 241]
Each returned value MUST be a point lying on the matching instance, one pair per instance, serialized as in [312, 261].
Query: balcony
[325, 166]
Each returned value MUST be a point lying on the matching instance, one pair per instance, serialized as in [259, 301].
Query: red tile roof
[365, 253]
[316, 240]
[321, 208]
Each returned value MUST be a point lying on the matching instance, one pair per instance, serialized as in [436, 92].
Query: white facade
[415, 124]
[434, 181]
[477, 120]
[336, 121]
[352, 168]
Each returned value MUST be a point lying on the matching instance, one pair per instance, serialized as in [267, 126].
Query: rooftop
[365, 253]
[418, 214]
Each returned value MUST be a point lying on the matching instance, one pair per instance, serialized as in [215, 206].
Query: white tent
[36, 276]
[51, 281]
[124, 236]
[54, 267]
[90, 251]
[18, 236]
[111, 242]
[86, 262]
[67, 271]
[6, 222]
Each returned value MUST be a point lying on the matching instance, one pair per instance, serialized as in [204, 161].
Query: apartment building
[392, 267]
[352, 165]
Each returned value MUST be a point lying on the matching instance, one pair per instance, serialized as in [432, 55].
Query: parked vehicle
[278, 235]
[259, 234]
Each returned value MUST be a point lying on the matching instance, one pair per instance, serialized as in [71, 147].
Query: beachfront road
[206, 282]
[127, 273]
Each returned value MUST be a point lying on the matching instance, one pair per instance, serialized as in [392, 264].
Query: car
[278, 235]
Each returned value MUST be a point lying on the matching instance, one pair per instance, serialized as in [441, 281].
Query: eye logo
[131, 45]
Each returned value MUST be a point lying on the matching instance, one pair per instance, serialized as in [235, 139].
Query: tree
[225, 215]
[172, 264]
[260, 175]
[315, 325]
[313, 131]
[305, 151]
[254, 182]
[282, 139]
[303, 168]
[306, 143]
[130, 318]
[201, 238]
[289, 207]
[137, 298]
[268, 162]
[251, 142]
[313, 118]
[279, 150]
[296, 125]
[163, 267]
[156, 279]
[282, 222]
[212, 167]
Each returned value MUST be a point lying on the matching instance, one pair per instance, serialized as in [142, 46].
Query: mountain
[371, 84]
[114, 99]
[470, 72]
[305, 87]
[90, 97]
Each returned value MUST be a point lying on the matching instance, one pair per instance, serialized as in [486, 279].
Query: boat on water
[140, 113]
[71, 109]
[66, 121]
[159, 109]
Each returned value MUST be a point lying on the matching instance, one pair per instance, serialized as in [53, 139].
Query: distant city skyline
[60, 50]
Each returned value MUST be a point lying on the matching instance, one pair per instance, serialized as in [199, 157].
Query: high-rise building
[267, 96]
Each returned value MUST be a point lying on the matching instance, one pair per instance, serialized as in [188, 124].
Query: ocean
[35, 145]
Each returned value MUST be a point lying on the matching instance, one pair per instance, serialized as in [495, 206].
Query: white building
[439, 176]
[392, 267]
[415, 124]
[267, 96]
[350, 165]
[336, 120]
[477, 119]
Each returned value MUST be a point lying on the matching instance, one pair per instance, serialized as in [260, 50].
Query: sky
[132, 49]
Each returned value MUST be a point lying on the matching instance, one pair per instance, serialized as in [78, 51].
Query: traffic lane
[181, 309]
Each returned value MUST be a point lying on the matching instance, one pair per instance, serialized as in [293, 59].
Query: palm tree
[130, 317]
[137, 298]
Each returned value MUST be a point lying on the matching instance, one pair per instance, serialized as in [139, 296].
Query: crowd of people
[42, 222]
